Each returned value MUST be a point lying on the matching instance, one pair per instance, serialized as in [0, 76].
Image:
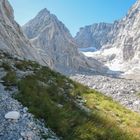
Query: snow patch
[89, 49]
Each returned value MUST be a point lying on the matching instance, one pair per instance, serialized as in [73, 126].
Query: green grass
[124, 118]
[6, 66]
[44, 91]
[10, 79]
[138, 94]
[26, 65]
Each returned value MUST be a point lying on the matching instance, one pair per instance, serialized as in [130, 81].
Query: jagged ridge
[55, 43]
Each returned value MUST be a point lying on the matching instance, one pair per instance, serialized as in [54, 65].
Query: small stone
[22, 134]
[30, 124]
[136, 103]
[24, 116]
[60, 106]
[29, 135]
[12, 115]
[25, 109]
[1, 134]
[133, 91]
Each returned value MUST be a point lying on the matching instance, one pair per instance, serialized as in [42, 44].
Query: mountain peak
[44, 11]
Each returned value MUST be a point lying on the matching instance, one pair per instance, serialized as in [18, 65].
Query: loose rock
[12, 115]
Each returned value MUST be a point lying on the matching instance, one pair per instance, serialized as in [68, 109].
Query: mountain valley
[57, 87]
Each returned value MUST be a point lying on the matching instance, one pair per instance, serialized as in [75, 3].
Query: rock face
[94, 36]
[121, 50]
[128, 34]
[126, 39]
[54, 42]
[12, 39]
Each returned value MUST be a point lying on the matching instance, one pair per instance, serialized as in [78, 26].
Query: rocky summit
[56, 45]
[54, 42]
[126, 41]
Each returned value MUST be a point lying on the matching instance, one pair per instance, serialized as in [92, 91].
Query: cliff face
[94, 36]
[128, 34]
[12, 39]
[119, 47]
[50, 35]
[126, 40]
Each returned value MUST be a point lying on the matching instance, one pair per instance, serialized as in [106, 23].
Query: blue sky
[73, 13]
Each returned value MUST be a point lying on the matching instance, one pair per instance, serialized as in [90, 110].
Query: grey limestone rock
[54, 42]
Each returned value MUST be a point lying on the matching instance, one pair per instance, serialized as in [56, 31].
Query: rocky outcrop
[54, 42]
[126, 39]
[94, 36]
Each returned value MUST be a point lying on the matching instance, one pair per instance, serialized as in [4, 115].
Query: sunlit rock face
[51, 43]
[119, 47]
[127, 40]
[54, 42]
[127, 34]
[94, 36]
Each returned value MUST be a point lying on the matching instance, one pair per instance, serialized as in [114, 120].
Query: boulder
[12, 115]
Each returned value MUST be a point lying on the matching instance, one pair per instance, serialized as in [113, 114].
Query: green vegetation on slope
[51, 96]
[10, 78]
